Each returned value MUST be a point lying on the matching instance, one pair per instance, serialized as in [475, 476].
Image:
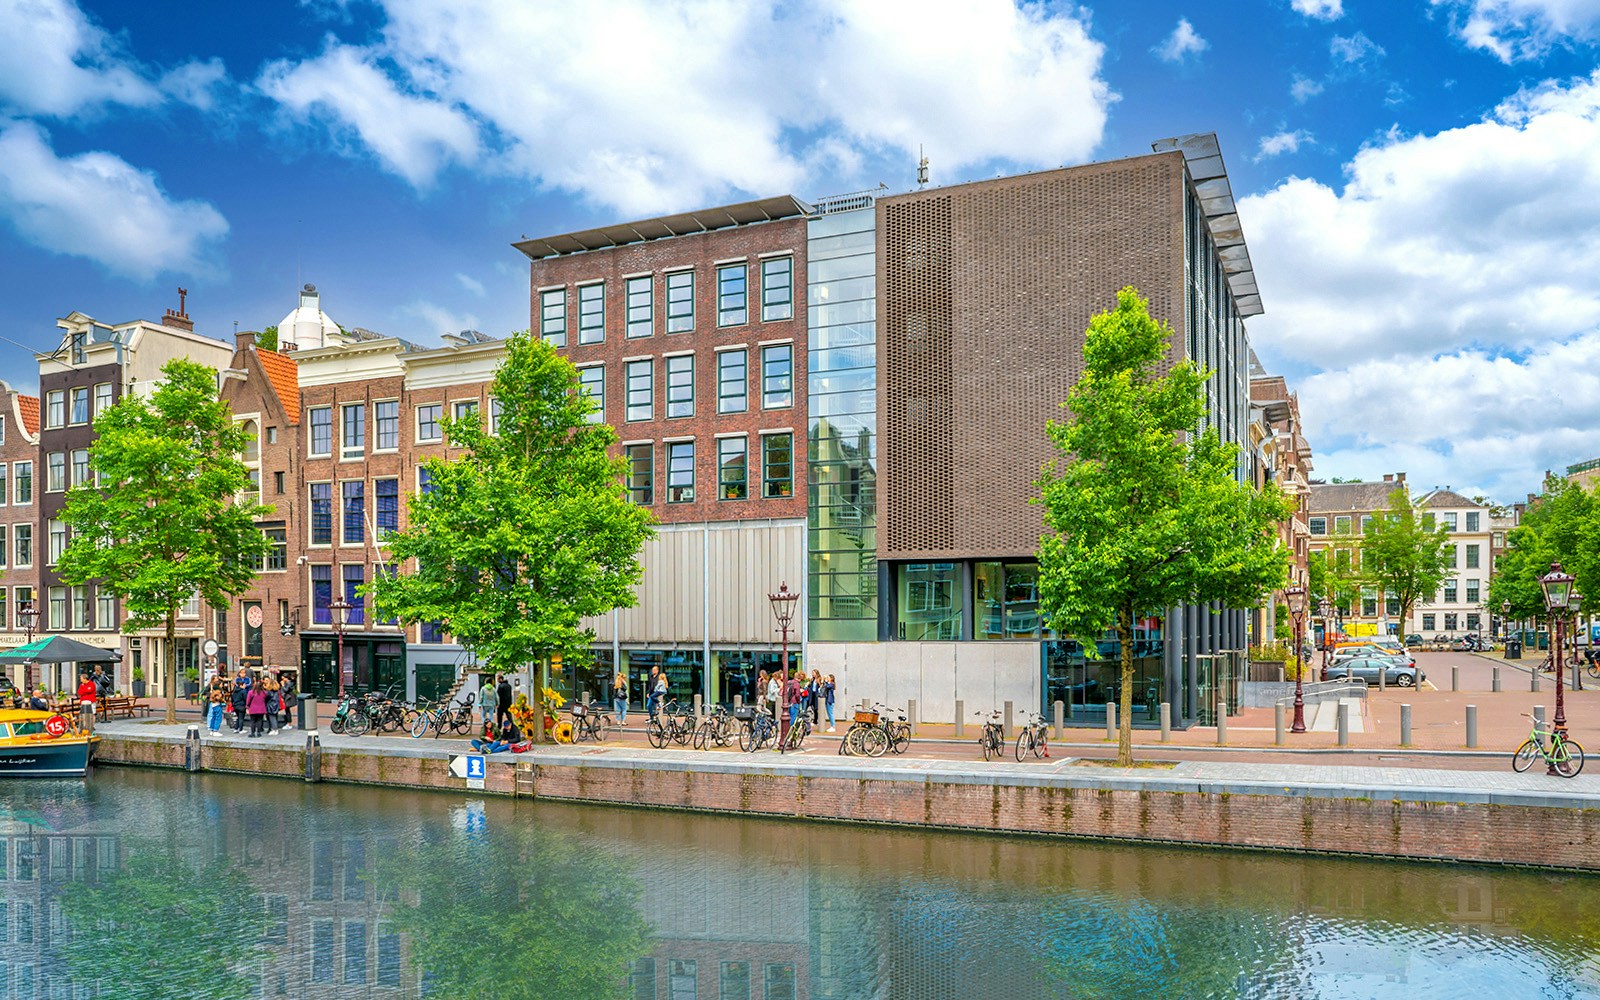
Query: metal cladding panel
[978, 354]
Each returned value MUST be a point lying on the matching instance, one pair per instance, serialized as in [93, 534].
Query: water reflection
[154, 885]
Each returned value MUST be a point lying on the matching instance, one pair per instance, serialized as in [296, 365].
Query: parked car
[1366, 668]
[1414, 639]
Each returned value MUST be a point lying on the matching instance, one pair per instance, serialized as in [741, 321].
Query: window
[55, 465]
[1472, 591]
[680, 472]
[780, 982]
[102, 398]
[683, 979]
[431, 632]
[58, 609]
[322, 951]
[386, 506]
[4, 548]
[1498, 540]
[732, 295]
[80, 607]
[1341, 525]
[424, 481]
[641, 390]
[1449, 519]
[353, 437]
[22, 545]
[1318, 525]
[55, 408]
[777, 288]
[1449, 592]
[80, 466]
[321, 513]
[1427, 622]
[733, 474]
[321, 595]
[428, 422]
[189, 609]
[777, 376]
[641, 474]
[1450, 556]
[24, 481]
[272, 435]
[592, 383]
[1366, 523]
[777, 465]
[1450, 622]
[1472, 557]
[1474, 622]
[1391, 606]
[1472, 520]
[641, 306]
[553, 316]
[56, 533]
[5, 622]
[1369, 602]
[277, 483]
[5, 492]
[680, 386]
[277, 557]
[354, 577]
[354, 495]
[680, 301]
[321, 419]
[592, 313]
[732, 385]
[80, 405]
[494, 415]
[466, 409]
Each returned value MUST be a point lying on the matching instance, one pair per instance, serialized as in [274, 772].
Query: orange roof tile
[29, 405]
[285, 379]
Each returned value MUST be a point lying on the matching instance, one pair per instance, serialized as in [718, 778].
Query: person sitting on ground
[509, 738]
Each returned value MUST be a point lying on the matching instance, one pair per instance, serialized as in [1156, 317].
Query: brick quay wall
[1463, 818]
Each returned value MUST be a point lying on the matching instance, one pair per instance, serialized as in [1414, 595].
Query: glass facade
[1085, 678]
[842, 433]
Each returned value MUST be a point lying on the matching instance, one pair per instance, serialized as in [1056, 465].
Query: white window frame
[677, 364]
[55, 409]
[641, 319]
[352, 452]
[438, 421]
[377, 422]
[311, 432]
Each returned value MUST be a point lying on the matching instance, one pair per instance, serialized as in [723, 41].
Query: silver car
[1367, 668]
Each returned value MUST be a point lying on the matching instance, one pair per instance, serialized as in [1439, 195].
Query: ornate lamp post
[1575, 602]
[1297, 609]
[783, 607]
[1557, 587]
[28, 615]
[339, 610]
[1505, 620]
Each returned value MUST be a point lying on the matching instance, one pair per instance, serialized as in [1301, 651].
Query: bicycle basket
[579, 710]
[744, 713]
[870, 718]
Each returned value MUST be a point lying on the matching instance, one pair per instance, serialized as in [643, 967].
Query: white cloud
[1183, 42]
[1513, 30]
[1321, 10]
[1448, 253]
[196, 83]
[435, 320]
[1283, 142]
[1356, 48]
[471, 284]
[673, 105]
[413, 135]
[58, 63]
[1303, 89]
[97, 206]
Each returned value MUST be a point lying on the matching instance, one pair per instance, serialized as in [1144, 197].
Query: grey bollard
[1166, 721]
[911, 715]
[1405, 725]
[1008, 730]
[699, 714]
[1533, 681]
[1344, 724]
[1455, 678]
[1277, 725]
[191, 748]
[1061, 718]
[1494, 682]
[1472, 727]
[86, 717]
[738, 701]
[313, 757]
[1383, 678]
[1538, 716]
[866, 705]
[1222, 723]
[586, 697]
[1111, 720]
[961, 718]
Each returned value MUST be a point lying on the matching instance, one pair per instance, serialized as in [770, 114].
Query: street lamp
[783, 608]
[1325, 609]
[1296, 596]
[339, 610]
[1575, 602]
[28, 615]
[1505, 620]
[1557, 587]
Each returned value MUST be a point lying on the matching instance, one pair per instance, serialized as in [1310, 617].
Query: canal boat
[42, 744]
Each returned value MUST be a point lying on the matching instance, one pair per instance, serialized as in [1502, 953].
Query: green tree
[162, 520]
[1332, 579]
[530, 531]
[1562, 526]
[1403, 554]
[267, 340]
[1141, 512]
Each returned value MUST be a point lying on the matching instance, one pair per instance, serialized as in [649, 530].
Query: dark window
[355, 952]
[322, 951]
[680, 301]
[428, 422]
[277, 483]
[321, 594]
[321, 430]
[680, 472]
[641, 474]
[355, 511]
[354, 577]
[777, 465]
[386, 505]
[321, 513]
[278, 555]
[733, 474]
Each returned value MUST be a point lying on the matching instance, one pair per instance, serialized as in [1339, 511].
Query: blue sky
[1419, 179]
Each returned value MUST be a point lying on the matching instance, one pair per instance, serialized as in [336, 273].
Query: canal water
[151, 884]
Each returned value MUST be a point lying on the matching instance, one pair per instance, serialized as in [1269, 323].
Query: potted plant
[191, 682]
[138, 682]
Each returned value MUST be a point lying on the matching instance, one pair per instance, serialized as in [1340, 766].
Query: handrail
[1322, 688]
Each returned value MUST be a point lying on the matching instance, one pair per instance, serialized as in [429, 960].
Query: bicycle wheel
[419, 725]
[462, 723]
[657, 734]
[1571, 761]
[1040, 747]
[701, 735]
[1023, 743]
[682, 729]
[902, 737]
[602, 728]
[747, 737]
[991, 744]
[336, 727]
[1525, 756]
[874, 741]
[357, 723]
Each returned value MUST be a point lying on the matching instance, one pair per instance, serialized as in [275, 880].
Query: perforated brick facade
[984, 293]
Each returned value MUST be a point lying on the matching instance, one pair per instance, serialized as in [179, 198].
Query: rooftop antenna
[922, 168]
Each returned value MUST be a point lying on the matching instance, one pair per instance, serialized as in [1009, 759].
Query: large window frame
[352, 430]
[777, 376]
[386, 425]
[777, 466]
[733, 468]
[733, 381]
[680, 385]
[733, 294]
[641, 313]
[553, 316]
[78, 411]
[592, 313]
[641, 473]
[777, 288]
[321, 508]
[430, 428]
[352, 512]
[680, 301]
[680, 472]
[319, 432]
[640, 383]
[592, 383]
[55, 409]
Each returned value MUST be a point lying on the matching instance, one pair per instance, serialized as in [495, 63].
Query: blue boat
[35, 744]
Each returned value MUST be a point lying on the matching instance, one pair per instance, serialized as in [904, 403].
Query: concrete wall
[984, 675]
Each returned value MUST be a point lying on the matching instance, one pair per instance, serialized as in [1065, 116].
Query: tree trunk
[172, 666]
[1125, 708]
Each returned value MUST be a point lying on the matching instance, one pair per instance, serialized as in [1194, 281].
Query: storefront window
[1006, 600]
[1085, 678]
[928, 601]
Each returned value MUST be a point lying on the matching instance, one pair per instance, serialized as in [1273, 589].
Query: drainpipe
[705, 602]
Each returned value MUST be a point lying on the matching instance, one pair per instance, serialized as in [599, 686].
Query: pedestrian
[814, 697]
[502, 703]
[287, 692]
[828, 688]
[241, 687]
[619, 696]
[87, 692]
[39, 702]
[216, 702]
[274, 702]
[661, 691]
[774, 695]
[758, 695]
[487, 697]
[794, 695]
[102, 683]
[255, 702]
[650, 692]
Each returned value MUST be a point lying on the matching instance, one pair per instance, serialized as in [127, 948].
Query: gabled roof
[1447, 498]
[285, 378]
[28, 406]
[1345, 498]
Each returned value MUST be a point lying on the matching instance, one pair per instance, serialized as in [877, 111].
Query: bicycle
[1033, 737]
[867, 735]
[589, 723]
[798, 731]
[993, 738]
[717, 729]
[1564, 756]
[671, 724]
[757, 731]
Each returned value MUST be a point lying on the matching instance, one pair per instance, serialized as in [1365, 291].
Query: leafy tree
[1563, 526]
[162, 519]
[1342, 479]
[1403, 554]
[530, 531]
[1141, 512]
[1333, 578]
[267, 340]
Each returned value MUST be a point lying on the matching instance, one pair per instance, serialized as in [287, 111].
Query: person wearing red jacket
[86, 692]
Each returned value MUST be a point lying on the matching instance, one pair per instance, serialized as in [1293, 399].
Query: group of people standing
[774, 692]
[267, 699]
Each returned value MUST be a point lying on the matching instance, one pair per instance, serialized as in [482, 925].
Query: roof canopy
[1203, 156]
[59, 649]
[699, 221]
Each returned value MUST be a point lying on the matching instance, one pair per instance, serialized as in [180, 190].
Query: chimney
[1400, 477]
[244, 341]
[1388, 477]
[179, 320]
